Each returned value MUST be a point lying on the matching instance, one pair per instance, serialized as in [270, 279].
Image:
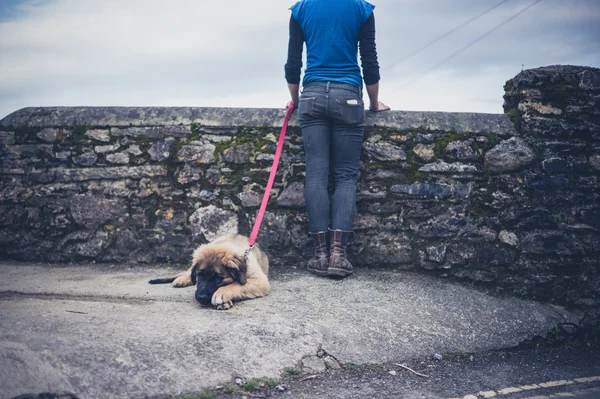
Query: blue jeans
[332, 120]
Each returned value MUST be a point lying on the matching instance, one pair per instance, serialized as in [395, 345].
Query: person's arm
[293, 66]
[376, 105]
[370, 65]
[294, 93]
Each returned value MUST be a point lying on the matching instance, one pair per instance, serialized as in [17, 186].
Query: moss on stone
[493, 140]
[196, 128]
[25, 134]
[516, 117]
[221, 146]
[177, 144]
[409, 176]
[441, 142]
[559, 94]
[253, 136]
[480, 147]
[78, 133]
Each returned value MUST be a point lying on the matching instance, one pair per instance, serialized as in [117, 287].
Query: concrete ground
[103, 332]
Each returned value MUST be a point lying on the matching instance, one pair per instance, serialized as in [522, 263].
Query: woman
[332, 116]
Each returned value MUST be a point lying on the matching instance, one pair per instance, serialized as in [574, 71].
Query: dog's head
[214, 267]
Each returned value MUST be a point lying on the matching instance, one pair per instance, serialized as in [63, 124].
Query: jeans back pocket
[352, 110]
[306, 107]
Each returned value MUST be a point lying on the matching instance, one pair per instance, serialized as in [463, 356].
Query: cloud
[201, 53]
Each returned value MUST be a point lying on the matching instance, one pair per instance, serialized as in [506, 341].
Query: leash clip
[247, 253]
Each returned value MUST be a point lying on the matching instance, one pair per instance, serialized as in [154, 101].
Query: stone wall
[480, 197]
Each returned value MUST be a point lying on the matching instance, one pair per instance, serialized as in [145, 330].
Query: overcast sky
[231, 52]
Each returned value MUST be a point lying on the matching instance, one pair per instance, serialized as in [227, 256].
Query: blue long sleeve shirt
[332, 32]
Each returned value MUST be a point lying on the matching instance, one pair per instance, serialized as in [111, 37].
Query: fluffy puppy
[222, 274]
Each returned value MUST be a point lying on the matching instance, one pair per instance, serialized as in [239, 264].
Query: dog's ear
[236, 268]
[197, 259]
[194, 267]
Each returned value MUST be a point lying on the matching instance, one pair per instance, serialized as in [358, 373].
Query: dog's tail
[162, 280]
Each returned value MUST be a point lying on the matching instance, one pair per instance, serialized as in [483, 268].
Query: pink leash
[265, 200]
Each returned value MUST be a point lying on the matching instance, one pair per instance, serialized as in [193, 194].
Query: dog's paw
[224, 306]
[221, 299]
[185, 280]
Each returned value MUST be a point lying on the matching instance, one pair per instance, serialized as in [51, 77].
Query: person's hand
[292, 104]
[380, 107]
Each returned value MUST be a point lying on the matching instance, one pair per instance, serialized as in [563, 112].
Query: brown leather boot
[319, 263]
[339, 266]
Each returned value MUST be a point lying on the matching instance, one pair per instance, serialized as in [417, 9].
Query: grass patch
[230, 388]
[372, 367]
[251, 385]
[293, 371]
[200, 395]
[271, 383]
[352, 366]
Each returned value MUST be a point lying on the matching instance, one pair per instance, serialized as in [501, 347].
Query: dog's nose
[203, 299]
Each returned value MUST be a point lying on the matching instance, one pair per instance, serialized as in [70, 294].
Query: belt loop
[327, 88]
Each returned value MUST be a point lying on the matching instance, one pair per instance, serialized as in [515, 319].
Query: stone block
[528, 217]
[371, 192]
[239, 154]
[85, 159]
[197, 152]
[212, 222]
[91, 211]
[249, 198]
[488, 256]
[31, 151]
[119, 188]
[118, 158]
[161, 151]
[509, 238]
[189, 174]
[484, 276]
[155, 132]
[49, 135]
[423, 189]
[460, 150]
[445, 226]
[92, 247]
[385, 248]
[381, 207]
[549, 184]
[385, 151]
[460, 254]
[101, 149]
[381, 174]
[134, 150]
[281, 232]
[424, 151]
[509, 156]
[7, 138]
[108, 173]
[439, 190]
[436, 253]
[292, 196]
[443, 167]
[547, 243]
[12, 216]
[365, 222]
[102, 135]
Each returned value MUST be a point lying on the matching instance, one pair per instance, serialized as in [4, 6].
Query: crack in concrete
[15, 295]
